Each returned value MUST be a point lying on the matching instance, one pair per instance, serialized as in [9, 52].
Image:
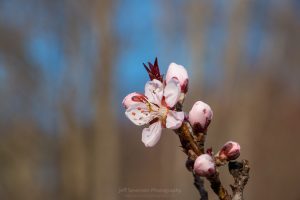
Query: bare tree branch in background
[105, 155]
[22, 74]
[200, 13]
[74, 153]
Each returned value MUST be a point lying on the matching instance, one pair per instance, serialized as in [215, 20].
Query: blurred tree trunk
[199, 13]
[234, 60]
[73, 150]
[234, 55]
[105, 166]
[19, 154]
[73, 158]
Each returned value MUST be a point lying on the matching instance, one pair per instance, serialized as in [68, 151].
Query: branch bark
[193, 143]
[190, 147]
[193, 146]
[186, 138]
[218, 188]
[240, 173]
[199, 184]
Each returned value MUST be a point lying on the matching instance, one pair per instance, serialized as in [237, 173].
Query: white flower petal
[154, 91]
[151, 135]
[128, 100]
[180, 73]
[139, 114]
[172, 92]
[174, 119]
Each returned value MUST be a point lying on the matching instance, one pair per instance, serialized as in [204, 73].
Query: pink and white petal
[151, 135]
[172, 92]
[129, 99]
[154, 91]
[174, 119]
[177, 71]
[139, 114]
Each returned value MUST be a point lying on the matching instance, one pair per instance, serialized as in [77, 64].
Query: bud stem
[217, 187]
[193, 143]
[240, 173]
[187, 139]
[200, 140]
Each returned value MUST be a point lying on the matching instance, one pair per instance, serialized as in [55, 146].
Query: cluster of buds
[205, 164]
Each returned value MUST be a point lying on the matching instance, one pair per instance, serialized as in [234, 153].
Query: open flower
[156, 107]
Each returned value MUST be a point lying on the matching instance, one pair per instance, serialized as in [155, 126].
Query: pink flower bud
[200, 116]
[131, 99]
[180, 73]
[204, 165]
[230, 151]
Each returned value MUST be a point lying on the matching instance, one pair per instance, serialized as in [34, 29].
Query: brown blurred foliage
[258, 108]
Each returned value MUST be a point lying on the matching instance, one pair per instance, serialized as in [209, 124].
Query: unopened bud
[230, 151]
[180, 73]
[200, 116]
[204, 165]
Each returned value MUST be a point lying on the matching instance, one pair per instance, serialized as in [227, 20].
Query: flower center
[163, 111]
[158, 111]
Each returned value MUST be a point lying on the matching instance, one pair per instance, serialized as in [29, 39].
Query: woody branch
[161, 107]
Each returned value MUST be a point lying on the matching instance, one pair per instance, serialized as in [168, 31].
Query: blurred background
[65, 66]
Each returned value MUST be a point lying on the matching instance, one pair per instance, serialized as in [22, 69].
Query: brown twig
[193, 146]
[216, 185]
[240, 173]
[199, 184]
[200, 140]
[187, 139]
[192, 143]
